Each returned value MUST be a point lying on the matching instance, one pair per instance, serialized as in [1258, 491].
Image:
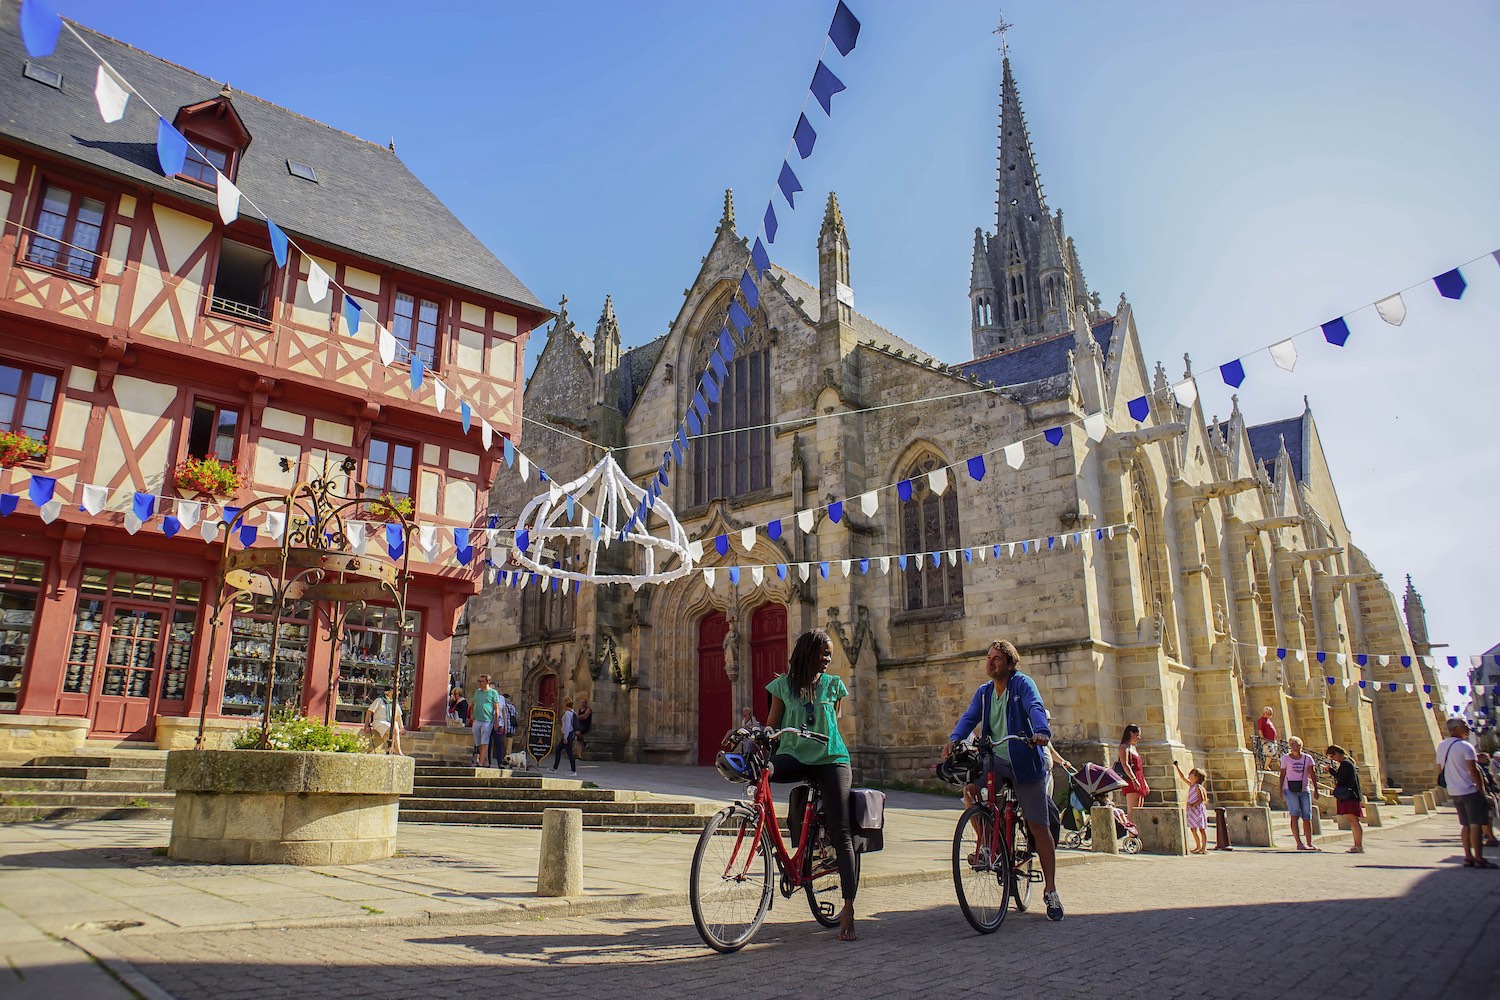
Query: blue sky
[1241, 172]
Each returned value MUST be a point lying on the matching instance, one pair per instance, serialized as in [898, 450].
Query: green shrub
[296, 733]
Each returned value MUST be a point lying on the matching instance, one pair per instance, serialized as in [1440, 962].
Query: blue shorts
[1299, 804]
[482, 732]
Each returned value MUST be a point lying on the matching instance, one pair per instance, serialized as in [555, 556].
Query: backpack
[512, 715]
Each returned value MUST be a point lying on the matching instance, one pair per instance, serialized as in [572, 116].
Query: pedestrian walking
[486, 702]
[569, 734]
[378, 721]
[499, 735]
[585, 715]
[1299, 785]
[458, 707]
[512, 727]
[1491, 789]
[1346, 792]
[1459, 774]
[1132, 770]
[1196, 813]
[1265, 731]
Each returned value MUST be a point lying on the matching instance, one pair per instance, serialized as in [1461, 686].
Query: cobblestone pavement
[1402, 920]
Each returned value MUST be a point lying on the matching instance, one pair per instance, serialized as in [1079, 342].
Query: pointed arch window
[1150, 553]
[1017, 297]
[732, 456]
[929, 523]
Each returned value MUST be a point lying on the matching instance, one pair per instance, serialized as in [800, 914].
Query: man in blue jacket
[1010, 705]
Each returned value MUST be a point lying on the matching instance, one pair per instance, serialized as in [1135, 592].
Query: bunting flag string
[1366, 659]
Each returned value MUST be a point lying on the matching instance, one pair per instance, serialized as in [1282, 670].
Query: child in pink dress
[1197, 807]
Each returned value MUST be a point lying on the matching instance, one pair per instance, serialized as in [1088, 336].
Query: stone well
[285, 807]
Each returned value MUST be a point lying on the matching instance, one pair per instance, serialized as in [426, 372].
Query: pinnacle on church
[607, 326]
[561, 321]
[726, 221]
[833, 219]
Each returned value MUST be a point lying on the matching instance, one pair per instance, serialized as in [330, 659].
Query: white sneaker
[572, 774]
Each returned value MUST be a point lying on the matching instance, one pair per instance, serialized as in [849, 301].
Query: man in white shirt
[378, 721]
[1460, 768]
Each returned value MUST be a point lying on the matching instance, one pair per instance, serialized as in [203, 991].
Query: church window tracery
[929, 523]
[733, 455]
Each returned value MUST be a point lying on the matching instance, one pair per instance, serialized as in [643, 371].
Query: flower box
[206, 477]
[16, 448]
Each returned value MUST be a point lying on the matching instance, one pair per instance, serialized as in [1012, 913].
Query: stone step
[591, 821]
[144, 761]
[17, 786]
[106, 799]
[483, 792]
[416, 803]
[77, 814]
[487, 776]
[152, 775]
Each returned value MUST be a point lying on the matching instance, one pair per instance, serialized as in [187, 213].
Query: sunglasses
[811, 716]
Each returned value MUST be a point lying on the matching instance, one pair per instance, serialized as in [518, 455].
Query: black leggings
[833, 781]
[567, 745]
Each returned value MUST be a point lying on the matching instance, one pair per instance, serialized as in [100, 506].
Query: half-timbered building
[138, 330]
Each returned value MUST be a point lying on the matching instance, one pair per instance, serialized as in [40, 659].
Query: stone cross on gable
[1001, 30]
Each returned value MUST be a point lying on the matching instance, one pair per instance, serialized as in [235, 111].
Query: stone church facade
[1234, 541]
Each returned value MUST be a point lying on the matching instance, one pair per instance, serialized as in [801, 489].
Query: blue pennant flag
[903, 490]
[1139, 407]
[568, 505]
[734, 574]
[229, 516]
[700, 404]
[352, 313]
[788, 181]
[464, 413]
[8, 503]
[759, 257]
[1280, 652]
[1394, 686]
[836, 511]
[726, 345]
[968, 555]
[1233, 372]
[721, 544]
[1053, 436]
[1335, 331]
[976, 467]
[844, 31]
[1361, 683]
[1361, 659]
[278, 242]
[804, 136]
[395, 540]
[461, 537]
[823, 570]
[824, 86]
[1025, 547]
[864, 566]
[1429, 704]
[901, 561]
[1328, 679]
[677, 448]
[42, 488]
[170, 525]
[417, 369]
[1451, 284]
[1406, 661]
[1051, 542]
[749, 291]
[710, 386]
[1322, 657]
[1427, 689]
[171, 148]
[996, 552]
[773, 530]
[768, 223]
[144, 505]
[738, 317]
[523, 540]
[39, 27]
[694, 427]
[509, 450]
[248, 532]
[1453, 662]
[781, 570]
[465, 554]
[937, 559]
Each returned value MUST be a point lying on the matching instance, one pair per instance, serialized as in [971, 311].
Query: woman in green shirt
[808, 697]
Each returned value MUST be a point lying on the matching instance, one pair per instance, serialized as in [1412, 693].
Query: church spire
[606, 354]
[835, 294]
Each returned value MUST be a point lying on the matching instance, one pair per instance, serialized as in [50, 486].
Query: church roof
[364, 200]
[635, 368]
[865, 327]
[1265, 444]
[1034, 362]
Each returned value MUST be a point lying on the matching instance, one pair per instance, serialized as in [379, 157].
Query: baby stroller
[1088, 788]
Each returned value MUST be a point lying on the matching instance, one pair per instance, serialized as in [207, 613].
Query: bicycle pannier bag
[867, 819]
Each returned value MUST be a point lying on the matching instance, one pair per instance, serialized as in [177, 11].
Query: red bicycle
[993, 862]
[730, 889]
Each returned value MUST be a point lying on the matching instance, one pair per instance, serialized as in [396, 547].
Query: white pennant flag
[1338, 658]
[885, 564]
[1284, 354]
[1297, 655]
[490, 534]
[983, 549]
[1411, 688]
[937, 480]
[844, 565]
[804, 570]
[1426, 661]
[695, 549]
[554, 492]
[1010, 550]
[805, 521]
[524, 464]
[355, 532]
[427, 541]
[757, 573]
[1015, 454]
[188, 512]
[275, 524]
[487, 435]
[1110, 531]
[1064, 539]
[869, 503]
[229, 200]
[132, 523]
[708, 577]
[385, 343]
[440, 394]
[53, 507]
[1385, 661]
[952, 557]
[1476, 661]
[1262, 651]
[317, 281]
[110, 94]
[1094, 426]
[1392, 309]
[1186, 392]
[209, 529]
[94, 499]
[747, 538]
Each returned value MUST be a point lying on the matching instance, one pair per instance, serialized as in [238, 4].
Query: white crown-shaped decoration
[603, 499]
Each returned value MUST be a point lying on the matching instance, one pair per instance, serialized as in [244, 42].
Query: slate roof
[1265, 444]
[865, 327]
[365, 200]
[1034, 362]
[635, 368]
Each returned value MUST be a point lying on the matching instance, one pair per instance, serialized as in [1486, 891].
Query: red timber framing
[136, 344]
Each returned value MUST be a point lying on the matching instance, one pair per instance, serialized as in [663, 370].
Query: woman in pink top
[1131, 769]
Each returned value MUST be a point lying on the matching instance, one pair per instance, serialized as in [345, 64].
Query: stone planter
[285, 807]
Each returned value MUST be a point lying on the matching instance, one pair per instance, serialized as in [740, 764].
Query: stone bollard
[1372, 814]
[1419, 803]
[1163, 830]
[560, 871]
[1102, 822]
[1251, 825]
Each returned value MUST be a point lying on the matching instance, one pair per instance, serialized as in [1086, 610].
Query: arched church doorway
[715, 690]
[546, 691]
[768, 653]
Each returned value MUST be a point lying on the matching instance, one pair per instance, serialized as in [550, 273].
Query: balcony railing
[239, 310]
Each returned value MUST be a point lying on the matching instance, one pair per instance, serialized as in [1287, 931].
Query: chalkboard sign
[539, 728]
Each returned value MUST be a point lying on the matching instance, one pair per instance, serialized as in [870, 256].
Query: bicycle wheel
[820, 878]
[730, 885]
[980, 873]
[1023, 868]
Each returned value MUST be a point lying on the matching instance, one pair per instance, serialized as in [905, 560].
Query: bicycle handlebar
[765, 734]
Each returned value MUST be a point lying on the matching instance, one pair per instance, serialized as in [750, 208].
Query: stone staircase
[447, 792]
[107, 783]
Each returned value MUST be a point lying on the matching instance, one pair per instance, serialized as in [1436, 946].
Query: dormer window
[216, 139]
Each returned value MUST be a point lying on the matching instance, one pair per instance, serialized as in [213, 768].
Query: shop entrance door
[715, 690]
[123, 692]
